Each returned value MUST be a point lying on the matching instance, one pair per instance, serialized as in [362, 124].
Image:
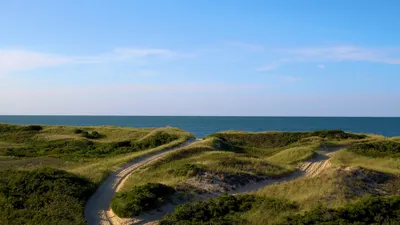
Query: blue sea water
[202, 126]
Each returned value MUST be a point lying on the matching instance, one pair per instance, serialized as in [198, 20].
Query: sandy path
[310, 168]
[320, 162]
[97, 209]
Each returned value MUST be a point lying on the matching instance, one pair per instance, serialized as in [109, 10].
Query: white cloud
[138, 52]
[126, 54]
[247, 46]
[267, 67]
[286, 79]
[343, 53]
[17, 60]
[340, 53]
[20, 60]
[145, 73]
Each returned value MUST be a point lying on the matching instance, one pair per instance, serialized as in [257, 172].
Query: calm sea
[202, 126]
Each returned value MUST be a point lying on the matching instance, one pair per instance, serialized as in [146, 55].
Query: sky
[202, 58]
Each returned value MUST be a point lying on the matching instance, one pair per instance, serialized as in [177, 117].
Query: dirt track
[319, 162]
[97, 209]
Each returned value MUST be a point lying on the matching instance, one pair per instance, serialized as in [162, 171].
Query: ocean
[202, 126]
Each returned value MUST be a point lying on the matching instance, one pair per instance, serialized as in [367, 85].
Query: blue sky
[237, 58]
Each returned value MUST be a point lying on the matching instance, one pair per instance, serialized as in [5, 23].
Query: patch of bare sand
[97, 209]
[212, 186]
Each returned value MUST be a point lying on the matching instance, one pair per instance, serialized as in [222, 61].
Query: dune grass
[383, 164]
[334, 187]
[309, 192]
[293, 155]
[43, 196]
[225, 209]
[94, 152]
[272, 154]
[202, 157]
[63, 148]
[140, 199]
[32, 191]
[371, 210]
[87, 145]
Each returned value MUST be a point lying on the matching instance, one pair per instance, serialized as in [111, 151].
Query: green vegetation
[272, 154]
[178, 166]
[377, 149]
[42, 196]
[64, 147]
[373, 210]
[229, 159]
[225, 209]
[140, 199]
[335, 187]
[32, 145]
[280, 139]
[294, 155]
[32, 194]
[380, 154]
[92, 135]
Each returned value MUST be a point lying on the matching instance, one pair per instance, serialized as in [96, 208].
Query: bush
[93, 135]
[154, 140]
[279, 139]
[372, 210]
[225, 209]
[188, 170]
[121, 144]
[32, 128]
[43, 196]
[32, 146]
[140, 199]
[77, 131]
[377, 149]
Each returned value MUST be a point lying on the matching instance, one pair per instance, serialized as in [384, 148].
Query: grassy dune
[48, 172]
[336, 187]
[61, 147]
[369, 166]
[206, 156]
[380, 154]
[269, 154]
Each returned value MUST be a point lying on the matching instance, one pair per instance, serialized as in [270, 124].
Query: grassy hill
[54, 169]
[48, 172]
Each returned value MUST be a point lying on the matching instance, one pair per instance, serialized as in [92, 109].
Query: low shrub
[77, 131]
[280, 139]
[188, 170]
[43, 196]
[225, 209]
[32, 128]
[122, 144]
[24, 141]
[155, 139]
[140, 199]
[372, 210]
[93, 135]
[377, 149]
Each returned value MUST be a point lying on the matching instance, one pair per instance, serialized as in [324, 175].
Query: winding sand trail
[97, 209]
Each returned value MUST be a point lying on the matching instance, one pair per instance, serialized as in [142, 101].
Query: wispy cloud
[20, 60]
[268, 67]
[15, 60]
[340, 53]
[343, 53]
[247, 46]
[286, 78]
